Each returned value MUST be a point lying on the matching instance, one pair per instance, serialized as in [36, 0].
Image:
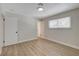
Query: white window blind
[60, 23]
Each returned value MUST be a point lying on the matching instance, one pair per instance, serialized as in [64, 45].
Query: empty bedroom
[39, 29]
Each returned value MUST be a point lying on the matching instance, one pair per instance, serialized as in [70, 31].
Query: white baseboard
[27, 40]
[22, 41]
[63, 43]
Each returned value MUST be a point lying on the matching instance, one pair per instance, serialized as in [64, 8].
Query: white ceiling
[30, 9]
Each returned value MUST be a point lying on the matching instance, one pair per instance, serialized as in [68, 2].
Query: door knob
[16, 32]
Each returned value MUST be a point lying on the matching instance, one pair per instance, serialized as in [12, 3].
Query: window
[60, 23]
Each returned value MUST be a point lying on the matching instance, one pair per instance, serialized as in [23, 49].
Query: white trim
[26, 40]
[23, 41]
[63, 43]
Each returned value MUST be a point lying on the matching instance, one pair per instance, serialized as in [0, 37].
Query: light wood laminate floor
[39, 47]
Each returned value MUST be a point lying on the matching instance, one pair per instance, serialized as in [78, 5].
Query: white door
[10, 31]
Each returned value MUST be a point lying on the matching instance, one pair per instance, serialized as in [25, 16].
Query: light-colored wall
[69, 36]
[1, 31]
[1, 34]
[10, 30]
[27, 29]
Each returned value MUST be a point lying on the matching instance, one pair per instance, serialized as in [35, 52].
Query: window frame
[59, 27]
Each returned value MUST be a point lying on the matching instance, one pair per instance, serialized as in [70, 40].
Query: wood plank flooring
[39, 47]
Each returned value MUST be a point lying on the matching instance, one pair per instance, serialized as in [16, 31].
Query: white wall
[68, 37]
[1, 31]
[27, 29]
[10, 30]
[1, 34]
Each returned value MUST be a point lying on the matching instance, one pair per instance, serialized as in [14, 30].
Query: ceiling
[30, 9]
